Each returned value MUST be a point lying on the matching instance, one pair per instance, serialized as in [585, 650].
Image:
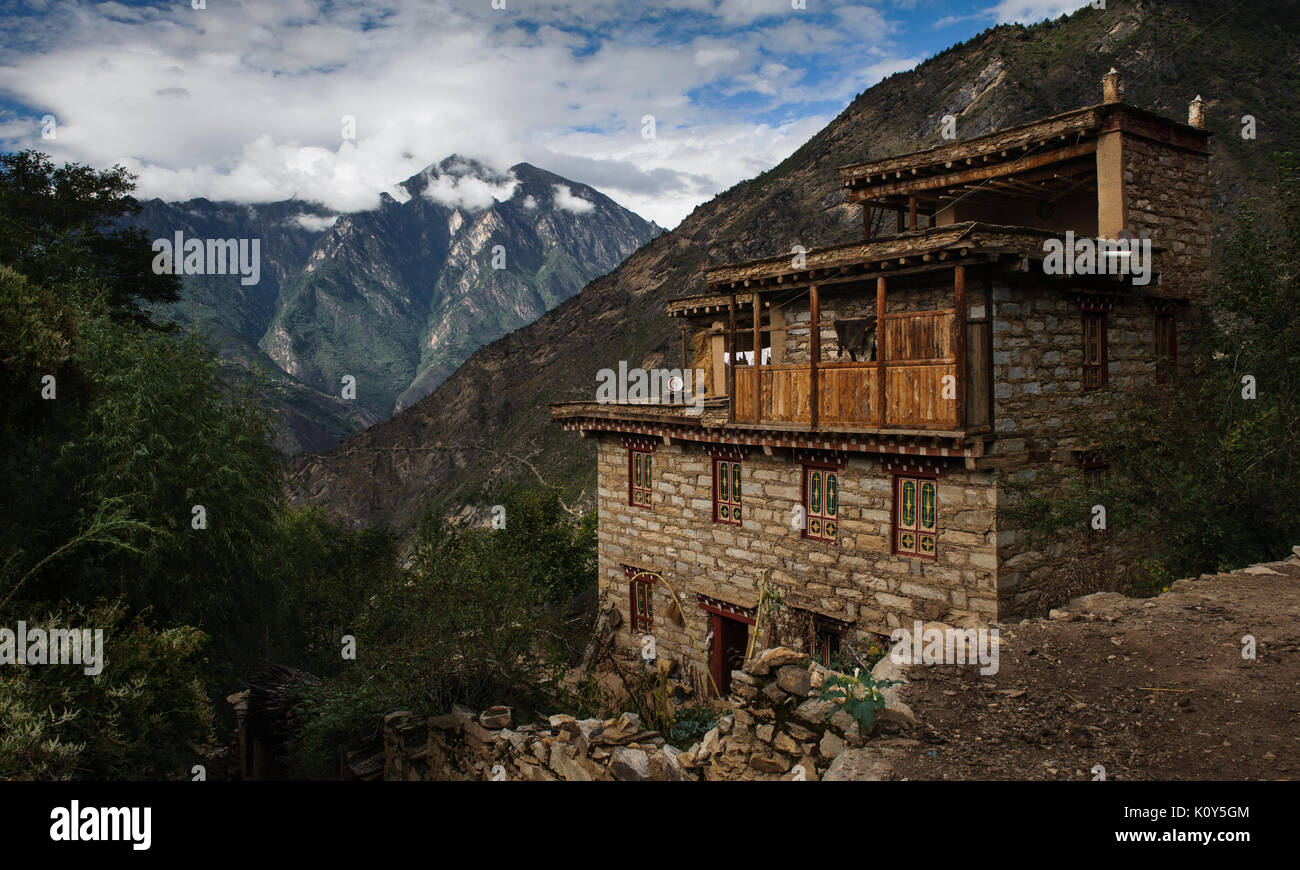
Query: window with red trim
[726, 491]
[639, 477]
[916, 516]
[641, 603]
[821, 502]
[1166, 346]
[1094, 351]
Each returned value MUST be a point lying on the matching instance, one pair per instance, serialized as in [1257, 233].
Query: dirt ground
[1151, 689]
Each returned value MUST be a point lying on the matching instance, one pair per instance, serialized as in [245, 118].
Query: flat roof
[1014, 143]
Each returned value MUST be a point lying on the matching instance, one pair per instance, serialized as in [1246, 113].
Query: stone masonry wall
[1038, 364]
[856, 579]
[1167, 198]
[1038, 401]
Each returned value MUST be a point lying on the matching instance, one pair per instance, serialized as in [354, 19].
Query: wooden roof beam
[977, 173]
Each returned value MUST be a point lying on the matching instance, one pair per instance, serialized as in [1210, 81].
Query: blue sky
[249, 100]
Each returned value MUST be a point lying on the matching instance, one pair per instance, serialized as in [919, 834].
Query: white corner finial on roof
[1111, 89]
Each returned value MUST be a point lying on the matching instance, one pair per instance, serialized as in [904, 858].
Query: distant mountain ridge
[396, 297]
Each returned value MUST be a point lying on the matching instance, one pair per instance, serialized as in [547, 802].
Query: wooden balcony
[913, 383]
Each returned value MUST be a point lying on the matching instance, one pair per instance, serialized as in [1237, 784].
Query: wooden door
[730, 637]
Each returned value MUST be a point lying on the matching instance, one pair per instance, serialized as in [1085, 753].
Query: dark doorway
[730, 637]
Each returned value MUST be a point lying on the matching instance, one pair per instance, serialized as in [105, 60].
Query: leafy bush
[145, 716]
[691, 724]
[858, 696]
[480, 616]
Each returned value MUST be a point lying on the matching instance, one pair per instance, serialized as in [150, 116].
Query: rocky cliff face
[479, 426]
[397, 297]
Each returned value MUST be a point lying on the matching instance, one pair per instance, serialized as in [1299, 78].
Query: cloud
[989, 15]
[314, 222]
[245, 100]
[468, 191]
[1034, 11]
[567, 200]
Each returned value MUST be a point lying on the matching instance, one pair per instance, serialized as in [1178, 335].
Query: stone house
[858, 409]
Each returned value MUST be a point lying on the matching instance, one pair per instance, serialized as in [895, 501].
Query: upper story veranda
[1098, 171]
[893, 336]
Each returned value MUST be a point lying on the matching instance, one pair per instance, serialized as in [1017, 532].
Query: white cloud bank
[251, 101]
[468, 192]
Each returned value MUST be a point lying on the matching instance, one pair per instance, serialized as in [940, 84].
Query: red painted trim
[1170, 360]
[717, 463]
[1103, 350]
[631, 480]
[804, 470]
[893, 516]
[861, 444]
[637, 577]
[718, 611]
[935, 468]
[715, 656]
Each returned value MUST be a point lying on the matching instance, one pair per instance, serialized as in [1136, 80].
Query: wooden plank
[758, 353]
[919, 335]
[743, 396]
[731, 353]
[927, 361]
[814, 353]
[977, 373]
[914, 396]
[959, 342]
[897, 315]
[882, 398]
[916, 185]
[846, 395]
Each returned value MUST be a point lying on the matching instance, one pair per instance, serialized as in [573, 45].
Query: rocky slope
[1196, 683]
[397, 297]
[489, 422]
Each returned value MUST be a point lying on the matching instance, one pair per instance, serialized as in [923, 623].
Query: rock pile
[774, 725]
[462, 746]
[781, 728]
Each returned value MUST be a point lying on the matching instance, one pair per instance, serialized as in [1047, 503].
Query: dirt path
[1150, 689]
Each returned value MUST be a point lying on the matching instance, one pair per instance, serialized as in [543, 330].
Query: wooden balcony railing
[913, 385]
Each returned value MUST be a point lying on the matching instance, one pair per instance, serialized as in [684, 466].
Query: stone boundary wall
[776, 728]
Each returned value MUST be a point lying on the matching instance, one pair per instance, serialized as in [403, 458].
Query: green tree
[65, 227]
[137, 470]
[480, 616]
[328, 576]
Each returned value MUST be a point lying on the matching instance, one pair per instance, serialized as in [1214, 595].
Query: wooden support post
[959, 344]
[686, 361]
[758, 358]
[901, 219]
[866, 221]
[881, 405]
[814, 353]
[731, 367]
[911, 212]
